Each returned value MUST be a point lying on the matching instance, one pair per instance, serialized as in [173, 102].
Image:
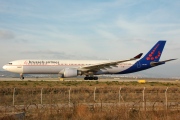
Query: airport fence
[139, 99]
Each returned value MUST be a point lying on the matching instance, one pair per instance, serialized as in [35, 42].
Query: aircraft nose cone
[4, 67]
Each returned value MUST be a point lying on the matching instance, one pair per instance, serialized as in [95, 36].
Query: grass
[82, 112]
[83, 83]
[55, 100]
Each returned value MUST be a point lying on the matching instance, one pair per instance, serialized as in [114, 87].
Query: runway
[103, 79]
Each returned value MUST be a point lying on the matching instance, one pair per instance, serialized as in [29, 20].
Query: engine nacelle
[69, 72]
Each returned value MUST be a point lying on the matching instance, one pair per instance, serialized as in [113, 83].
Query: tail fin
[155, 53]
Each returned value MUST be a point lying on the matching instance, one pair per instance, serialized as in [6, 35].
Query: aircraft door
[138, 64]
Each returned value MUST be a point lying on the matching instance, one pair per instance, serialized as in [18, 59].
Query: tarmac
[103, 79]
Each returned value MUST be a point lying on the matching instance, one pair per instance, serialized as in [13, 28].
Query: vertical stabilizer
[155, 53]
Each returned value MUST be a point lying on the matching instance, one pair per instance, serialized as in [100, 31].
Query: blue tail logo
[155, 53]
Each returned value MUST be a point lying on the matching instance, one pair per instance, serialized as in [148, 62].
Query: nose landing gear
[21, 77]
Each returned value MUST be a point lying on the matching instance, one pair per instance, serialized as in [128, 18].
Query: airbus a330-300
[89, 68]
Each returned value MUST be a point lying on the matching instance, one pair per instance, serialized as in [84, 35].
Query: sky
[90, 29]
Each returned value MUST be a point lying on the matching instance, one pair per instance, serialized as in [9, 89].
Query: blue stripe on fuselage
[136, 67]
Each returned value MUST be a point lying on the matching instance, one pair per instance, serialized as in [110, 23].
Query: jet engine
[69, 72]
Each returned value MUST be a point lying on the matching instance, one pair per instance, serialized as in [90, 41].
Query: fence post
[69, 97]
[41, 96]
[14, 95]
[119, 94]
[94, 94]
[13, 99]
[166, 98]
[143, 99]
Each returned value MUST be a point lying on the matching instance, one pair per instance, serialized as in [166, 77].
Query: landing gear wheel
[90, 78]
[21, 77]
[86, 78]
[95, 78]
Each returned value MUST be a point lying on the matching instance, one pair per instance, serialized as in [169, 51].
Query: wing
[105, 65]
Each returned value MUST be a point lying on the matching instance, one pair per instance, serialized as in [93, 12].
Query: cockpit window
[10, 63]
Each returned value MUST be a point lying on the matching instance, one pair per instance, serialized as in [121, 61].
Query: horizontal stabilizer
[161, 62]
[168, 60]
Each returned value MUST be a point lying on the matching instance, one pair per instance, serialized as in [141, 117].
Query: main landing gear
[90, 78]
[21, 77]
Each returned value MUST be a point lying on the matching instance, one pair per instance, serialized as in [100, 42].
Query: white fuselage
[55, 66]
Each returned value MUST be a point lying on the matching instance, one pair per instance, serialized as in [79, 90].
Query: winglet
[138, 56]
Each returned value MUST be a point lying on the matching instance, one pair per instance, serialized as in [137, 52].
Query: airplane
[89, 68]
